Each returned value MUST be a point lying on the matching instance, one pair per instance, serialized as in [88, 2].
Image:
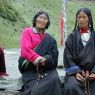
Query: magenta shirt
[29, 40]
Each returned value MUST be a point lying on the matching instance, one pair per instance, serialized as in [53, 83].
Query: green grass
[72, 8]
[24, 10]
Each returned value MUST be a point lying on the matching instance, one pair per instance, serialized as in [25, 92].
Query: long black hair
[88, 13]
[39, 13]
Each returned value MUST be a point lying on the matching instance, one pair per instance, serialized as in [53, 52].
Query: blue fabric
[72, 70]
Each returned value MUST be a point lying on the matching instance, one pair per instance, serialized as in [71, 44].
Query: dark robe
[77, 58]
[48, 83]
[2, 62]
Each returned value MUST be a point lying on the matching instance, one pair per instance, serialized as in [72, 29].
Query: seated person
[79, 56]
[39, 58]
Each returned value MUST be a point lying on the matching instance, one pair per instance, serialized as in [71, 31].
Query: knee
[71, 86]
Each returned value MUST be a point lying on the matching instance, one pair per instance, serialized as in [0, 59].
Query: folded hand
[92, 76]
[42, 61]
[80, 77]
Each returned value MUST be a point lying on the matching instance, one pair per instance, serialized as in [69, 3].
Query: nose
[41, 19]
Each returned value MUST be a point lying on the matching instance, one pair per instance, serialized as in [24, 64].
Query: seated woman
[39, 58]
[2, 64]
[79, 56]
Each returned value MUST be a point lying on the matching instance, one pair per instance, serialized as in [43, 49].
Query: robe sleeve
[52, 56]
[69, 63]
[93, 70]
[26, 47]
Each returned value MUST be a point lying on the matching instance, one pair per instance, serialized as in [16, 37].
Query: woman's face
[41, 21]
[82, 20]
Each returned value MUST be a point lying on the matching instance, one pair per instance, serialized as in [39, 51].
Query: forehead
[42, 15]
[82, 14]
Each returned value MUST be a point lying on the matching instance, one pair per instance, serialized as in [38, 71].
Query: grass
[10, 31]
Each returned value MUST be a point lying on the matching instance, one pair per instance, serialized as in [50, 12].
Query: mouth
[41, 24]
[81, 24]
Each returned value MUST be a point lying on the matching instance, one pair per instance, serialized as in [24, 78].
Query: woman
[39, 58]
[2, 64]
[79, 56]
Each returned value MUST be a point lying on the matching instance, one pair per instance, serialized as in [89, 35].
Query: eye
[78, 17]
[43, 17]
[84, 17]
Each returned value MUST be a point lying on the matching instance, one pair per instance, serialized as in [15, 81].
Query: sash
[41, 49]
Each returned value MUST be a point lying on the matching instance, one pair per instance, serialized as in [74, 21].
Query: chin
[81, 26]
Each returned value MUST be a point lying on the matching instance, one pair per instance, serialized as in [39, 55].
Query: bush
[7, 11]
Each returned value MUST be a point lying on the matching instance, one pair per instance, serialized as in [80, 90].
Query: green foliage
[7, 11]
[18, 14]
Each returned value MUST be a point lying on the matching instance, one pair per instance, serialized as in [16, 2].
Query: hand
[87, 73]
[92, 76]
[42, 61]
[37, 61]
[83, 73]
[80, 77]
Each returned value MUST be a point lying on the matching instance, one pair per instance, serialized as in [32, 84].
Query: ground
[10, 84]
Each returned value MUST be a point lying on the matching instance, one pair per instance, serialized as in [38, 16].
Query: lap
[73, 86]
[48, 83]
[72, 82]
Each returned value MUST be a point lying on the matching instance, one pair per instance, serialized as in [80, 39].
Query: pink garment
[29, 40]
